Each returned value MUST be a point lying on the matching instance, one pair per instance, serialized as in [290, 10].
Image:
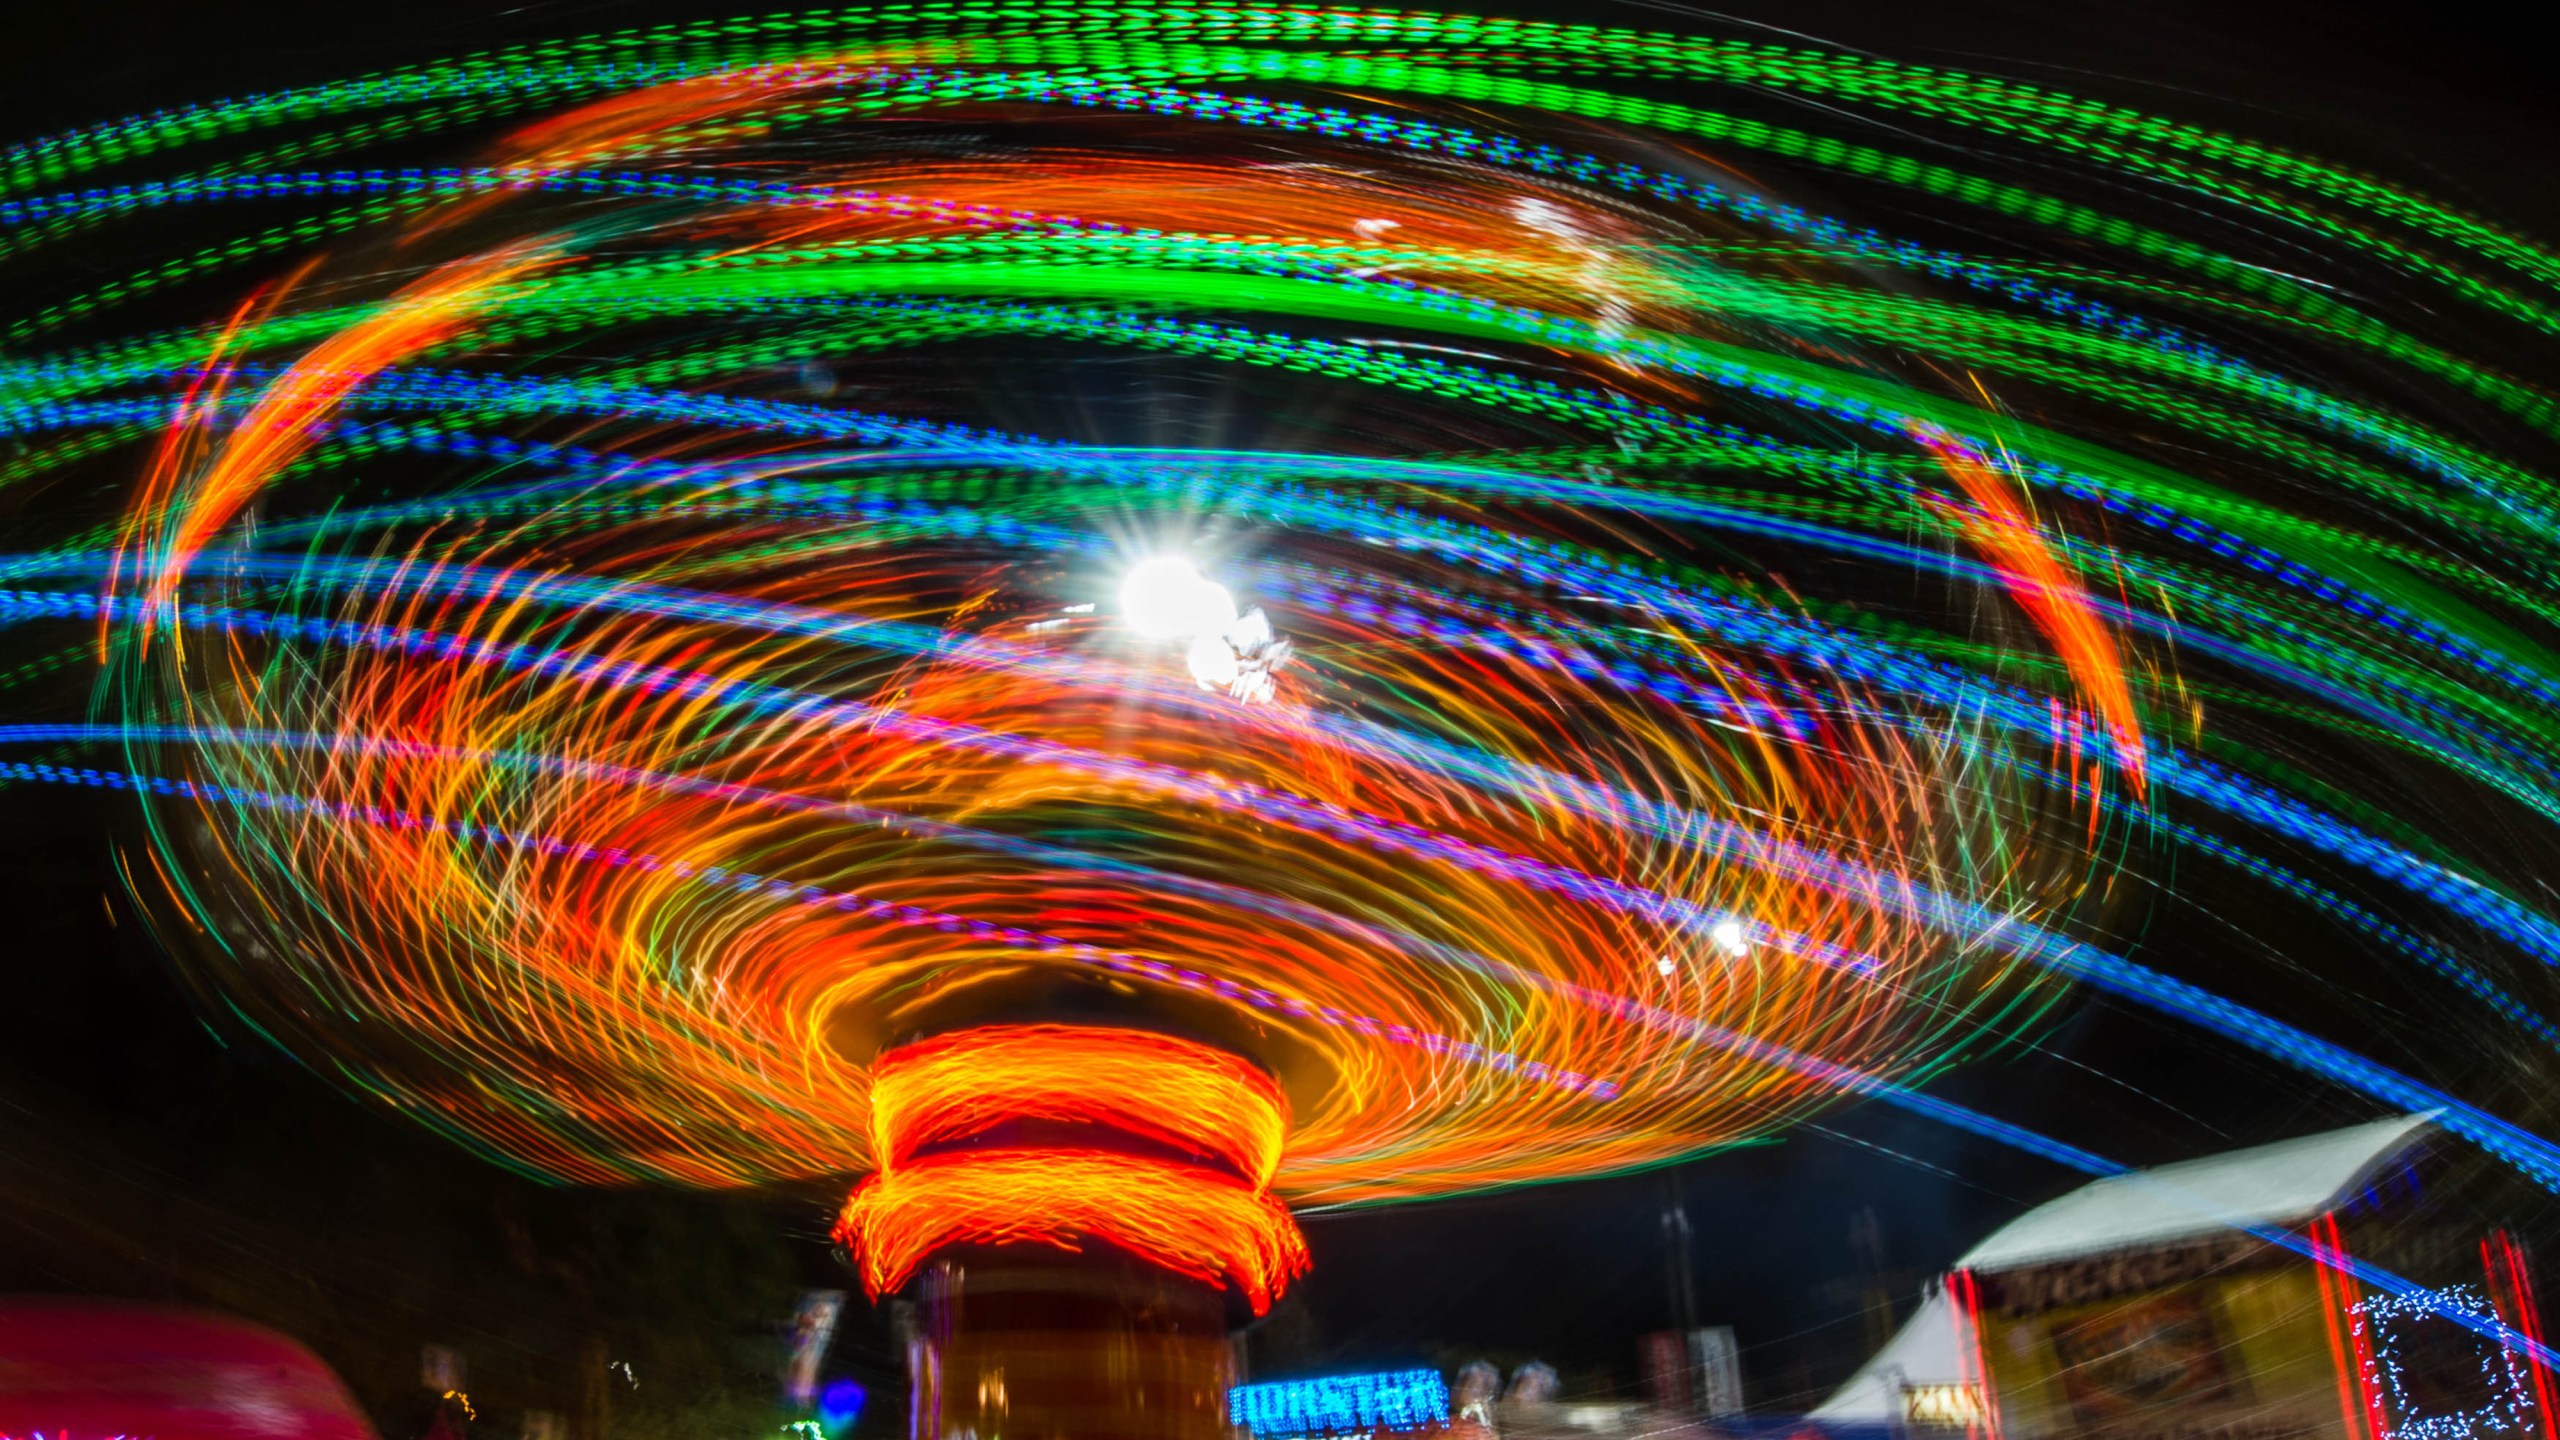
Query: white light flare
[1165, 597]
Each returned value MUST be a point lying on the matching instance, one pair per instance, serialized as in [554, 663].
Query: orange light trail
[1190, 1096]
[1109, 1086]
[2046, 590]
[1187, 1218]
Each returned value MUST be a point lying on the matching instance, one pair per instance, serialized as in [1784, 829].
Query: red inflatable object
[91, 1370]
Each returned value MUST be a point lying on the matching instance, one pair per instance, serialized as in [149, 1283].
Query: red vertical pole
[2333, 1323]
[2337, 1271]
[1964, 1299]
[2511, 1291]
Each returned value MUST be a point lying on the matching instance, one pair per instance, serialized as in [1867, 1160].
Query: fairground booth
[2254, 1295]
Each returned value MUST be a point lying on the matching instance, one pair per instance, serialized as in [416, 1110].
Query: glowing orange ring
[1215, 1222]
[1189, 1219]
[1188, 1096]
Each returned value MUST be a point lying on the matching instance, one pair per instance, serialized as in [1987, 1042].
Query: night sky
[147, 1150]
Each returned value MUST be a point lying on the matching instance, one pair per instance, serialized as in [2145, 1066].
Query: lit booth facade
[2217, 1300]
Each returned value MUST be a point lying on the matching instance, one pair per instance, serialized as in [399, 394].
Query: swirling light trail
[650, 655]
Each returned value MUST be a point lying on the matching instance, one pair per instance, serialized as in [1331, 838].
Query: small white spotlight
[1665, 964]
[1165, 597]
[1729, 938]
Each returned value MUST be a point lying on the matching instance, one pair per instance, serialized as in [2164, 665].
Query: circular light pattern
[1355, 536]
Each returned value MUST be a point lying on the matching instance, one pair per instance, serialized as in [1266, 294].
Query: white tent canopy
[1925, 1351]
[2281, 1184]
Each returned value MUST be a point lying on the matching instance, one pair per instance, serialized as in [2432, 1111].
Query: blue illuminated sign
[1341, 1404]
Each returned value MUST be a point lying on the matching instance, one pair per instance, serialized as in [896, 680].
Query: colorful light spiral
[615, 637]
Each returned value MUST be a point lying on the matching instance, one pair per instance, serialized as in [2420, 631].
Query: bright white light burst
[1165, 597]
